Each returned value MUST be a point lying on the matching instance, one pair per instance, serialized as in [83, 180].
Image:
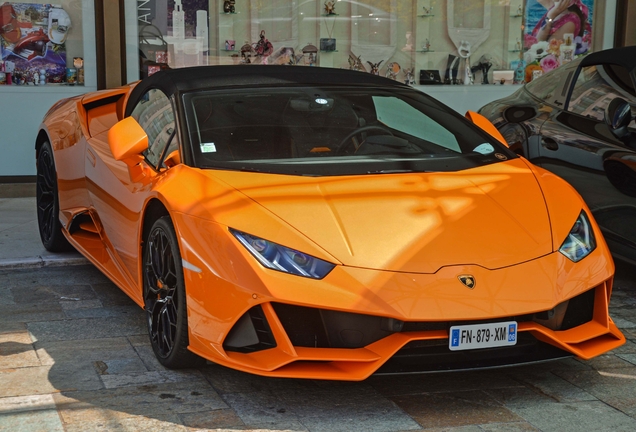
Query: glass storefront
[421, 42]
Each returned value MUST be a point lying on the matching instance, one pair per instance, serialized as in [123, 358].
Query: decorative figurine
[228, 6]
[520, 10]
[409, 42]
[518, 48]
[355, 63]
[427, 46]
[246, 53]
[392, 71]
[330, 7]
[375, 67]
[311, 52]
[428, 10]
[409, 78]
[484, 66]
[263, 48]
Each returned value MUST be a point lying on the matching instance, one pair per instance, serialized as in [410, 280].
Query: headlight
[580, 241]
[281, 258]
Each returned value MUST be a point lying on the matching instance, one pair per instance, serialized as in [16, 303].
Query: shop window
[452, 41]
[43, 43]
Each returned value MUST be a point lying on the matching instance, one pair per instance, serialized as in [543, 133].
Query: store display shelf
[228, 13]
[330, 51]
[426, 15]
[425, 51]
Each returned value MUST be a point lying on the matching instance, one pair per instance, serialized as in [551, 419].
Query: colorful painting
[556, 32]
[35, 42]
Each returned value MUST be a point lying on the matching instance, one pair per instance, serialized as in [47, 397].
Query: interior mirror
[484, 124]
[618, 115]
[127, 141]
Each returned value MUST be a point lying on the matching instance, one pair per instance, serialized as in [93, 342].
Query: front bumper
[301, 342]
[347, 325]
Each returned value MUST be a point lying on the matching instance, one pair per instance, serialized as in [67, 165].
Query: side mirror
[484, 124]
[127, 140]
[618, 114]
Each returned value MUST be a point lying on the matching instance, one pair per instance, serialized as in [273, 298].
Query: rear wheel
[48, 206]
[164, 298]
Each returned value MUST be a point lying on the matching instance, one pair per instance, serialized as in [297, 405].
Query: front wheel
[164, 298]
[48, 205]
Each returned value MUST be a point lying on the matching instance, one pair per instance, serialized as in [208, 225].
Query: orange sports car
[321, 223]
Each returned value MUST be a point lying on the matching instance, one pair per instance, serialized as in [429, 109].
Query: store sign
[146, 10]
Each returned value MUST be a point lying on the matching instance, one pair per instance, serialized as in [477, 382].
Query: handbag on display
[430, 77]
[153, 50]
[327, 44]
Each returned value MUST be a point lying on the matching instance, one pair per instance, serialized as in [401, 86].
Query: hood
[493, 216]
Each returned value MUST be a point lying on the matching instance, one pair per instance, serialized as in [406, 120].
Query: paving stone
[389, 385]
[628, 357]
[77, 275]
[90, 328]
[263, 410]
[217, 419]
[47, 379]
[352, 406]
[453, 409]
[105, 420]
[68, 305]
[86, 351]
[226, 380]
[118, 367]
[36, 421]
[148, 378]
[519, 396]
[615, 387]
[162, 401]
[110, 295]
[607, 361]
[555, 387]
[115, 312]
[17, 404]
[30, 312]
[52, 293]
[508, 427]
[623, 323]
[576, 416]
[7, 296]
[17, 355]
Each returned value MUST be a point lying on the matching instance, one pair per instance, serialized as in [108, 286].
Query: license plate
[476, 336]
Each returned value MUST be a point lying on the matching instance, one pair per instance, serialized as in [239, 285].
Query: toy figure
[228, 6]
[392, 71]
[330, 7]
[427, 45]
[428, 11]
[263, 48]
[355, 63]
[409, 78]
[246, 53]
[375, 67]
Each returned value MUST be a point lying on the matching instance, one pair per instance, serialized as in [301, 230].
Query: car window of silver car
[155, 115]
[595, 87]
[545, 87]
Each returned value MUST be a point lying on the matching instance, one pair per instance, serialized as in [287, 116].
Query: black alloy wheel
[164, 298]
[47, 200]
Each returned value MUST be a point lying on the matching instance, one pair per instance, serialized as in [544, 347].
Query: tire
[48, 205]
[164, 298]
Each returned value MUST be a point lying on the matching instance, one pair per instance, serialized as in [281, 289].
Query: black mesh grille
[580, 310]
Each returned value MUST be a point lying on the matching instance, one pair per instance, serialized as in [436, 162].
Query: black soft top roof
[625, 57]
[175, 81]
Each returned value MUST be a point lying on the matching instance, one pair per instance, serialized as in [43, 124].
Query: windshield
[333, 131]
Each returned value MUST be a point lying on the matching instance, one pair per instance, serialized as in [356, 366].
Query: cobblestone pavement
[75, 356]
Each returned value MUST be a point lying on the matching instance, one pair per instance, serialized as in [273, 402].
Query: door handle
[91, 157]
[549, 144]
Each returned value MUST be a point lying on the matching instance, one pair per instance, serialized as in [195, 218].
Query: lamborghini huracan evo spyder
[321, 223]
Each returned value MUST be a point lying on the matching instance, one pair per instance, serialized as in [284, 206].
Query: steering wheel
[348, 140]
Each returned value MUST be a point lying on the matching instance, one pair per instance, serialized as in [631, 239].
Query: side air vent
[251, 333]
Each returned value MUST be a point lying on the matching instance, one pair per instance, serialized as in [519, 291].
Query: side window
[155, 115]
[596, 86]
